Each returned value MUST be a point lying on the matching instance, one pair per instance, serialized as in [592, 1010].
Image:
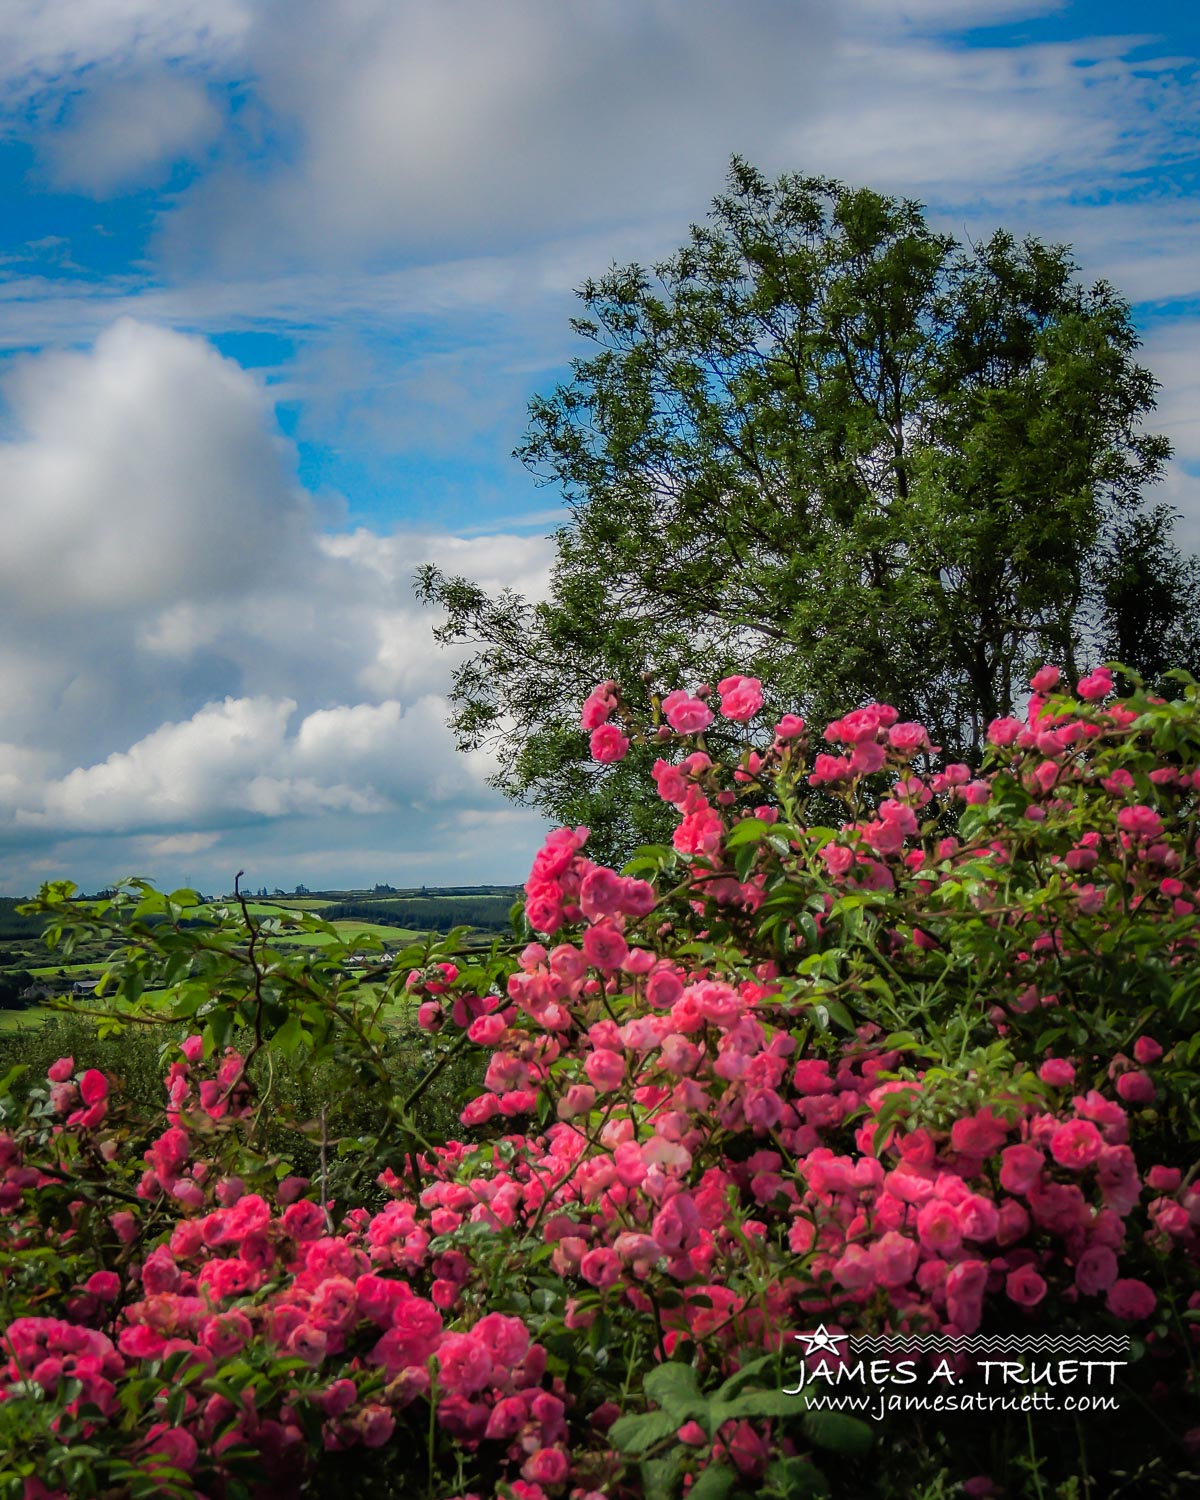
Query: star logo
[822, 1340]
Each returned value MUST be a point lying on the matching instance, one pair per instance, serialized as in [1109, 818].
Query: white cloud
[174, 844]
[421, 126]
[144, 473]
[184, 653]
[45, 45]
[241, 760]
[416, 129]
[126, 133]
[168, 601]
[1172, 351]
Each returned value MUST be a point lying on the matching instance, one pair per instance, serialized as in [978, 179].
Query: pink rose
[464, 1364]
[981, 1134]
[894, 1259]
[487, 1030]
[685, 714]
[1025, 1287]
[1057, 1072]
[741, 697]
[604, 947]
[602, 1267]
[1096, 685]
[964, 1294]
[601, 893]
[104, 1284]
[546, 1466]
[1146, 1050]
[1140, 821]
[1076, 1145]
[937, 1226]
[606, 1069]
[670, 781]
[93, 1086]
[1095, 1270]
[1020, 1168]
[854, 1270]
[1136, 1088]
[909, 738]
[1003, 732]
[597, 707]
[1130, 1299]
[375, 1425]
[607, 744]
[60, 1071]
[480, 1110]
[663, 988]
[578, 1100]
[174, 1445]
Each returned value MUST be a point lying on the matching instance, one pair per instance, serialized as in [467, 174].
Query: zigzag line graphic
[1015, 1343]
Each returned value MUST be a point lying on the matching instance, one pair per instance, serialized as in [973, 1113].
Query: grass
[299, 903]
[348, 930]
[94, 968]
[25, 1020]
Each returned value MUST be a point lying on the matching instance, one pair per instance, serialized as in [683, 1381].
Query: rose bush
[928, 1068]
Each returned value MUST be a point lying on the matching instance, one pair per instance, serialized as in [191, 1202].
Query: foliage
[306, 1101]
[932, 1066]
[830, 445]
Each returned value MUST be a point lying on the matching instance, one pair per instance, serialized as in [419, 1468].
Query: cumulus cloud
[128, 133]
[145, 472]
[185, 653]
[242, 760]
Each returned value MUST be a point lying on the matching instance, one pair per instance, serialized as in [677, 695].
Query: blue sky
[278, 278]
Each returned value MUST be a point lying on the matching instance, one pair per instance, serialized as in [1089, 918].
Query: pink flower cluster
[677, 1128]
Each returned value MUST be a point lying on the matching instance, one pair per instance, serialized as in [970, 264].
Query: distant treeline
[418, 893]
[430, 914]
[14, 926]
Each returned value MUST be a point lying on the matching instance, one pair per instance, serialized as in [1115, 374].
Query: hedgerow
[931, 1068]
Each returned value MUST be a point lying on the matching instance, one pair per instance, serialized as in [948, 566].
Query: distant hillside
[14, 926]
[484, 909]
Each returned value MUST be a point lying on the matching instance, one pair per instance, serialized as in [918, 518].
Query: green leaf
[713, 1483]
[838, 1432]
[796, 1479]
[748, 831]
[660, 1475]
[634, 1434]
[289, 1036]
[16, 1071]
[753, 1404]
[674, 1386]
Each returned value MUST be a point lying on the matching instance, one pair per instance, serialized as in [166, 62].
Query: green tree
[1149, 595]
[827, 445]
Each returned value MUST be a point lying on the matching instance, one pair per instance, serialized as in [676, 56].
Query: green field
[93, 970]
[24, 1020]
[393, 920]
[348, 931]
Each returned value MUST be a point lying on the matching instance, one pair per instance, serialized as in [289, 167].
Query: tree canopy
[827, 444]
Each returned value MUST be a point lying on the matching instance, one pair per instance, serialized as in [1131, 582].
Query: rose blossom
[1130, 1299]
[741, 697]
